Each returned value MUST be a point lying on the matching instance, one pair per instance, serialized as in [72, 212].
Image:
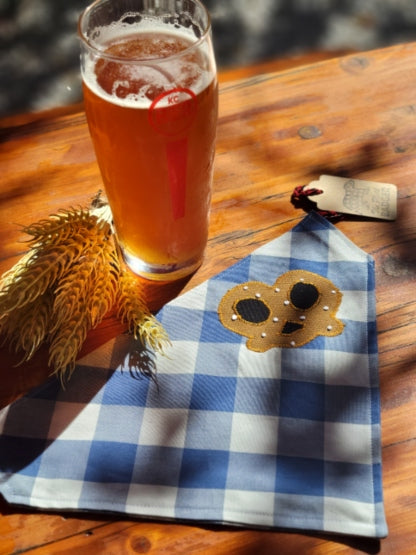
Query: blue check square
[347, 276]
[176, 320]
[213, 332]
[348, 404]
[205, 469]
[305, 400]
[300, 476]
[213, 393]
[349, 481]
[251, 472]
[173, 391]
[155, 465]
[118, 394]
[258, 396]
[110, 462]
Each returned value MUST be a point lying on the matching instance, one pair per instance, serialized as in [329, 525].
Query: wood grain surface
[353, 116]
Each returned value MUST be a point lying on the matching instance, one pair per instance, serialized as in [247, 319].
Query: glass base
[162, 272]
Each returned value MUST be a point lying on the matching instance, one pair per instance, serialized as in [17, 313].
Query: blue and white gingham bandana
[282, 433]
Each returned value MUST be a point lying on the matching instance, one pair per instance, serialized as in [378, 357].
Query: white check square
[74, 421]
[164, 427]
[348, 443]
[346, 369]
[56, 493]
[151, 499]
[353, 306]
[254, 433]
[257, 506]
[357, 518]
[180, 358]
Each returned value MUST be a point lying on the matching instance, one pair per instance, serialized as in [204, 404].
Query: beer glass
[151, 99]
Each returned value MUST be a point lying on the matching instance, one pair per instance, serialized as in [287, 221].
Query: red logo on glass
[172, 112]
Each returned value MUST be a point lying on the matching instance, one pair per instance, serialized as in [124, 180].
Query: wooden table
[353, 116]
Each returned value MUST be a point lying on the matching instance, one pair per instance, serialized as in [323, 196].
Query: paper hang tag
[355, 196]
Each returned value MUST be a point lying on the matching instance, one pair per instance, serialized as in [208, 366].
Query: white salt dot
[234, 317]
[245, 287]
[258, 295]
[275, 319]
[329, 328]
[326, 307]
[333, 291]
[286, 303]
[302, 317]
[263, 334]
[293, 343]
[277, 290]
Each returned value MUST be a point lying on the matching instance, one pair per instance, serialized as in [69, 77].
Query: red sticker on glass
[172, 112]
[177, 155]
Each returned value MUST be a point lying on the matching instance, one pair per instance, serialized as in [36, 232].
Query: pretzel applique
[297, 308]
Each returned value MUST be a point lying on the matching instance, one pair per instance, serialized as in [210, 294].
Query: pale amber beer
[151, 100]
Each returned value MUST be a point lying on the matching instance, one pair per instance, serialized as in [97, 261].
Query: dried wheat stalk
[62, 288]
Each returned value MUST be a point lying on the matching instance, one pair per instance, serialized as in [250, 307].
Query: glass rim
[101, 53]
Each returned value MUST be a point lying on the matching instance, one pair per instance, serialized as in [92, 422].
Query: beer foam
[163, 73]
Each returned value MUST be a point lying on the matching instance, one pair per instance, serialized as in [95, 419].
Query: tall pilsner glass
[151, 99]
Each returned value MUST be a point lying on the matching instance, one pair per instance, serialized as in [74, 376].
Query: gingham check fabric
[286, 438]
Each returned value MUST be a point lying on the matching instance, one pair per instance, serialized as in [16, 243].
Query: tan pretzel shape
[297, 308]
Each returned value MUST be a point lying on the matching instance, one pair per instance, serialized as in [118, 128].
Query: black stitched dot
[291, 327]
[252, 310]
[304, 295]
